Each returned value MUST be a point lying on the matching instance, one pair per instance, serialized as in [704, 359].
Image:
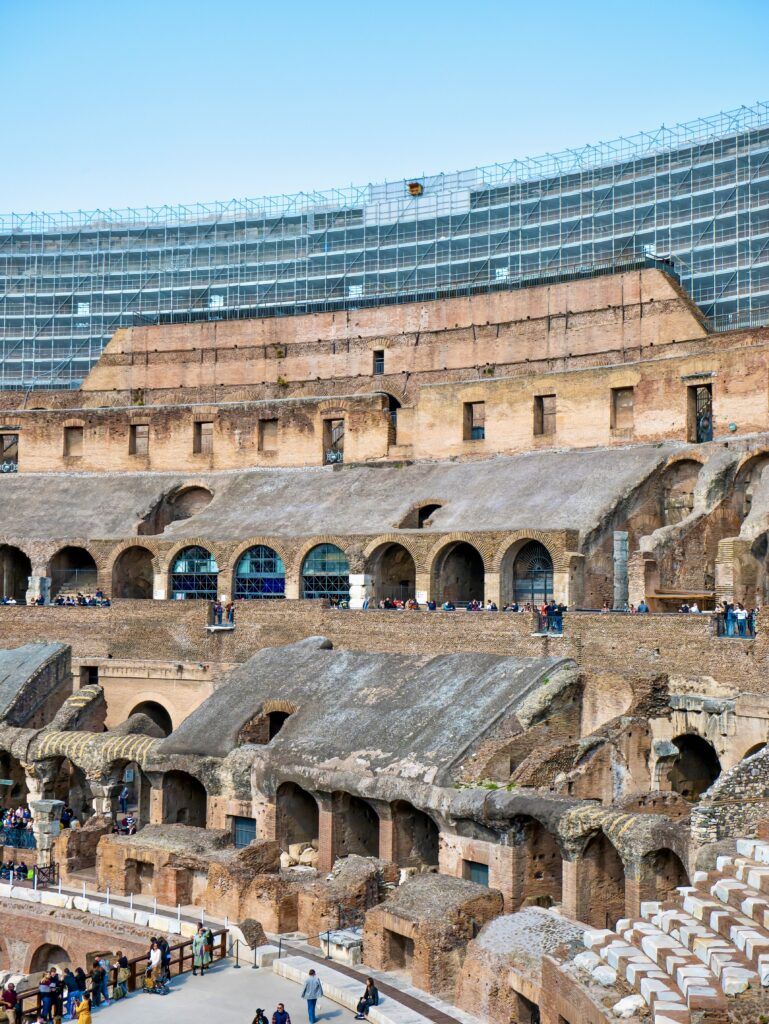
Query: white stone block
[737, 979]
[267, 955]
[650, 907]
[746, 847]
[53, 899]
[586, 961]
[596, 938]
[628, 1007]
[721, 863]
[604, 975]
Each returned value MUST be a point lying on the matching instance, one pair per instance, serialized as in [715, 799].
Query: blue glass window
[260, 574]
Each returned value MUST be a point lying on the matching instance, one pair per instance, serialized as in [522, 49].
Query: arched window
[533, 574]
[194, 575]
[326, 573]
[260, 573]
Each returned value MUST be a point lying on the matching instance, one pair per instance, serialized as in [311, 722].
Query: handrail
[29, 999]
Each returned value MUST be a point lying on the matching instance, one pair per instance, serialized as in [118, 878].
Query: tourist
[730, 617]
[83, 1009]
[72, 986]
[122, 975]
[57, 993]
[231, 613]
[10, 997]
[448, 606]
[165, 954]
[431, 605]
[741, 616]
[45, 997]
[155, 955]
[259, 1017]
[369, 998]
[281, 1015]
[311, 993]
[643, 607]
[199, 952]
[123, 800]
[96, 973]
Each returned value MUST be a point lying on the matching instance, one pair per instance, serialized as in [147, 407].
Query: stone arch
[185, 800]
[73, 568]
[194, 574]
[133, 573]
[265, 725]
[419, 515]
[176, 505]
[73, 786]
[457, 572]
[356, 826]
[755, 749]
[750, 471]
[259, 571]
[157, 712]
[15, 570]
[537, 864]
[678, 482]
[696, 767]
[166, 558]
[296, 816]
[129, 776]
[415, 836]
[48, 955]
[661, 872]
[393, 571]
[526, 571]
[325, 572]
[343, 543]
[600, 883]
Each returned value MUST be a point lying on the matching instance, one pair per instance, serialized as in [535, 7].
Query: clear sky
[134, 102]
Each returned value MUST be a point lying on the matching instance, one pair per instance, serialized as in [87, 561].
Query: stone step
[699, 984]
[716, 949]
[747, 870]
[740, 929]
[731, 892]
[754, 849]
[659, 991]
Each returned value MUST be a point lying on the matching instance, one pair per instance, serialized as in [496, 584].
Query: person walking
[259, 1017]
[281, 1015]
[123, 800]
[311, 993]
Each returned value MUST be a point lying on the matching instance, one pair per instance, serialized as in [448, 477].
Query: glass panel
[194, 575]
[326, 573]
[260, 573]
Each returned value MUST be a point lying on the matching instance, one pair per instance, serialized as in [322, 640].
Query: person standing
[311, 993]
[281, 1015]
[199, 951]
[123, 800]
[83, 1009]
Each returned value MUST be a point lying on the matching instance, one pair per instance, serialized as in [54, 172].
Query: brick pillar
[266, 815]
[386, 830]
[570, 882]
[156, 798]
[633, 897]
[492, 590]
[326, 851]
[160, 586]
[422, 586]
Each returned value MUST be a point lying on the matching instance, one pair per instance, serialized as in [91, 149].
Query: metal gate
[703, 405]
[533, 574]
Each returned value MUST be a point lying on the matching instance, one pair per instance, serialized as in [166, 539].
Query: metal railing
[18, 838]
[181, 962]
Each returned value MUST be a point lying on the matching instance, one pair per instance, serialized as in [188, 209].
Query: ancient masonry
[561, 819]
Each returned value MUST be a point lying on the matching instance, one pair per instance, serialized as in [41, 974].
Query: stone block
[604, 975]
[585, 961]
[628, 1007]
[266, 955]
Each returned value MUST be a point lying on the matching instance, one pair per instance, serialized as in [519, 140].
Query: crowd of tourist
[97, 600]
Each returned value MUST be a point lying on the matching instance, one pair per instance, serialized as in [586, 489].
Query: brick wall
[175, 631]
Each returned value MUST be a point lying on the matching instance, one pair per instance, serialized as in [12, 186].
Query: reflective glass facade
[698, 192]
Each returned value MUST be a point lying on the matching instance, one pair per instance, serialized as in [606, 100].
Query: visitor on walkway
[259, 1017]
[312, 992]
[742, 620]
[83, 1010]
[369, 998]
[281, 1015]
[201, 957]
[122, 975]
[643, 607]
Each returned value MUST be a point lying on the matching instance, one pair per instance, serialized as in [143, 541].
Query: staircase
[693, 956]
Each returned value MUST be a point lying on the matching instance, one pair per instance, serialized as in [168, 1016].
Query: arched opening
[297, 816]
[458, 574]
[72, 571]
[532, 574]
[537, 865]
[394, 573]
[275, 722]
[15, 570]
[132, 574]
[71, 785]
[415, 836]
[185, 801]
[601, 884]
[260, 574]
[49, 955]
[157, 713]
[16, 794]
[179, 504]
[356, 827]
[133, 794]
[194, 575]
[662, 872]
[748, 482]
[678, 484]
[326, 574]
[753, 750]
[419, 516]
[393, 405]
[696, 768]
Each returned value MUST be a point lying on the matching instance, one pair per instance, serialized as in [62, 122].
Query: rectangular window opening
[699, 413]
[139, 440]
[203, 438]
[333, 440]
[475, 872]
[544, 415]
[622, 408]
[73, 442]
[378, 362]
[474, 421]
[268, 435]
[9, 452]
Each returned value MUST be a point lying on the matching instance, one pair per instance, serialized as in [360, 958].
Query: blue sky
[134, 102]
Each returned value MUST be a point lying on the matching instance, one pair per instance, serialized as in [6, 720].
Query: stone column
[105, 798]
[492, 589]
[360, 590]
[46, 825]
[422, 587]
[386, 829]
[160, 586]
[325, 832]
[292, 591]
[569, 882]
[620, 569]
[38, 586]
